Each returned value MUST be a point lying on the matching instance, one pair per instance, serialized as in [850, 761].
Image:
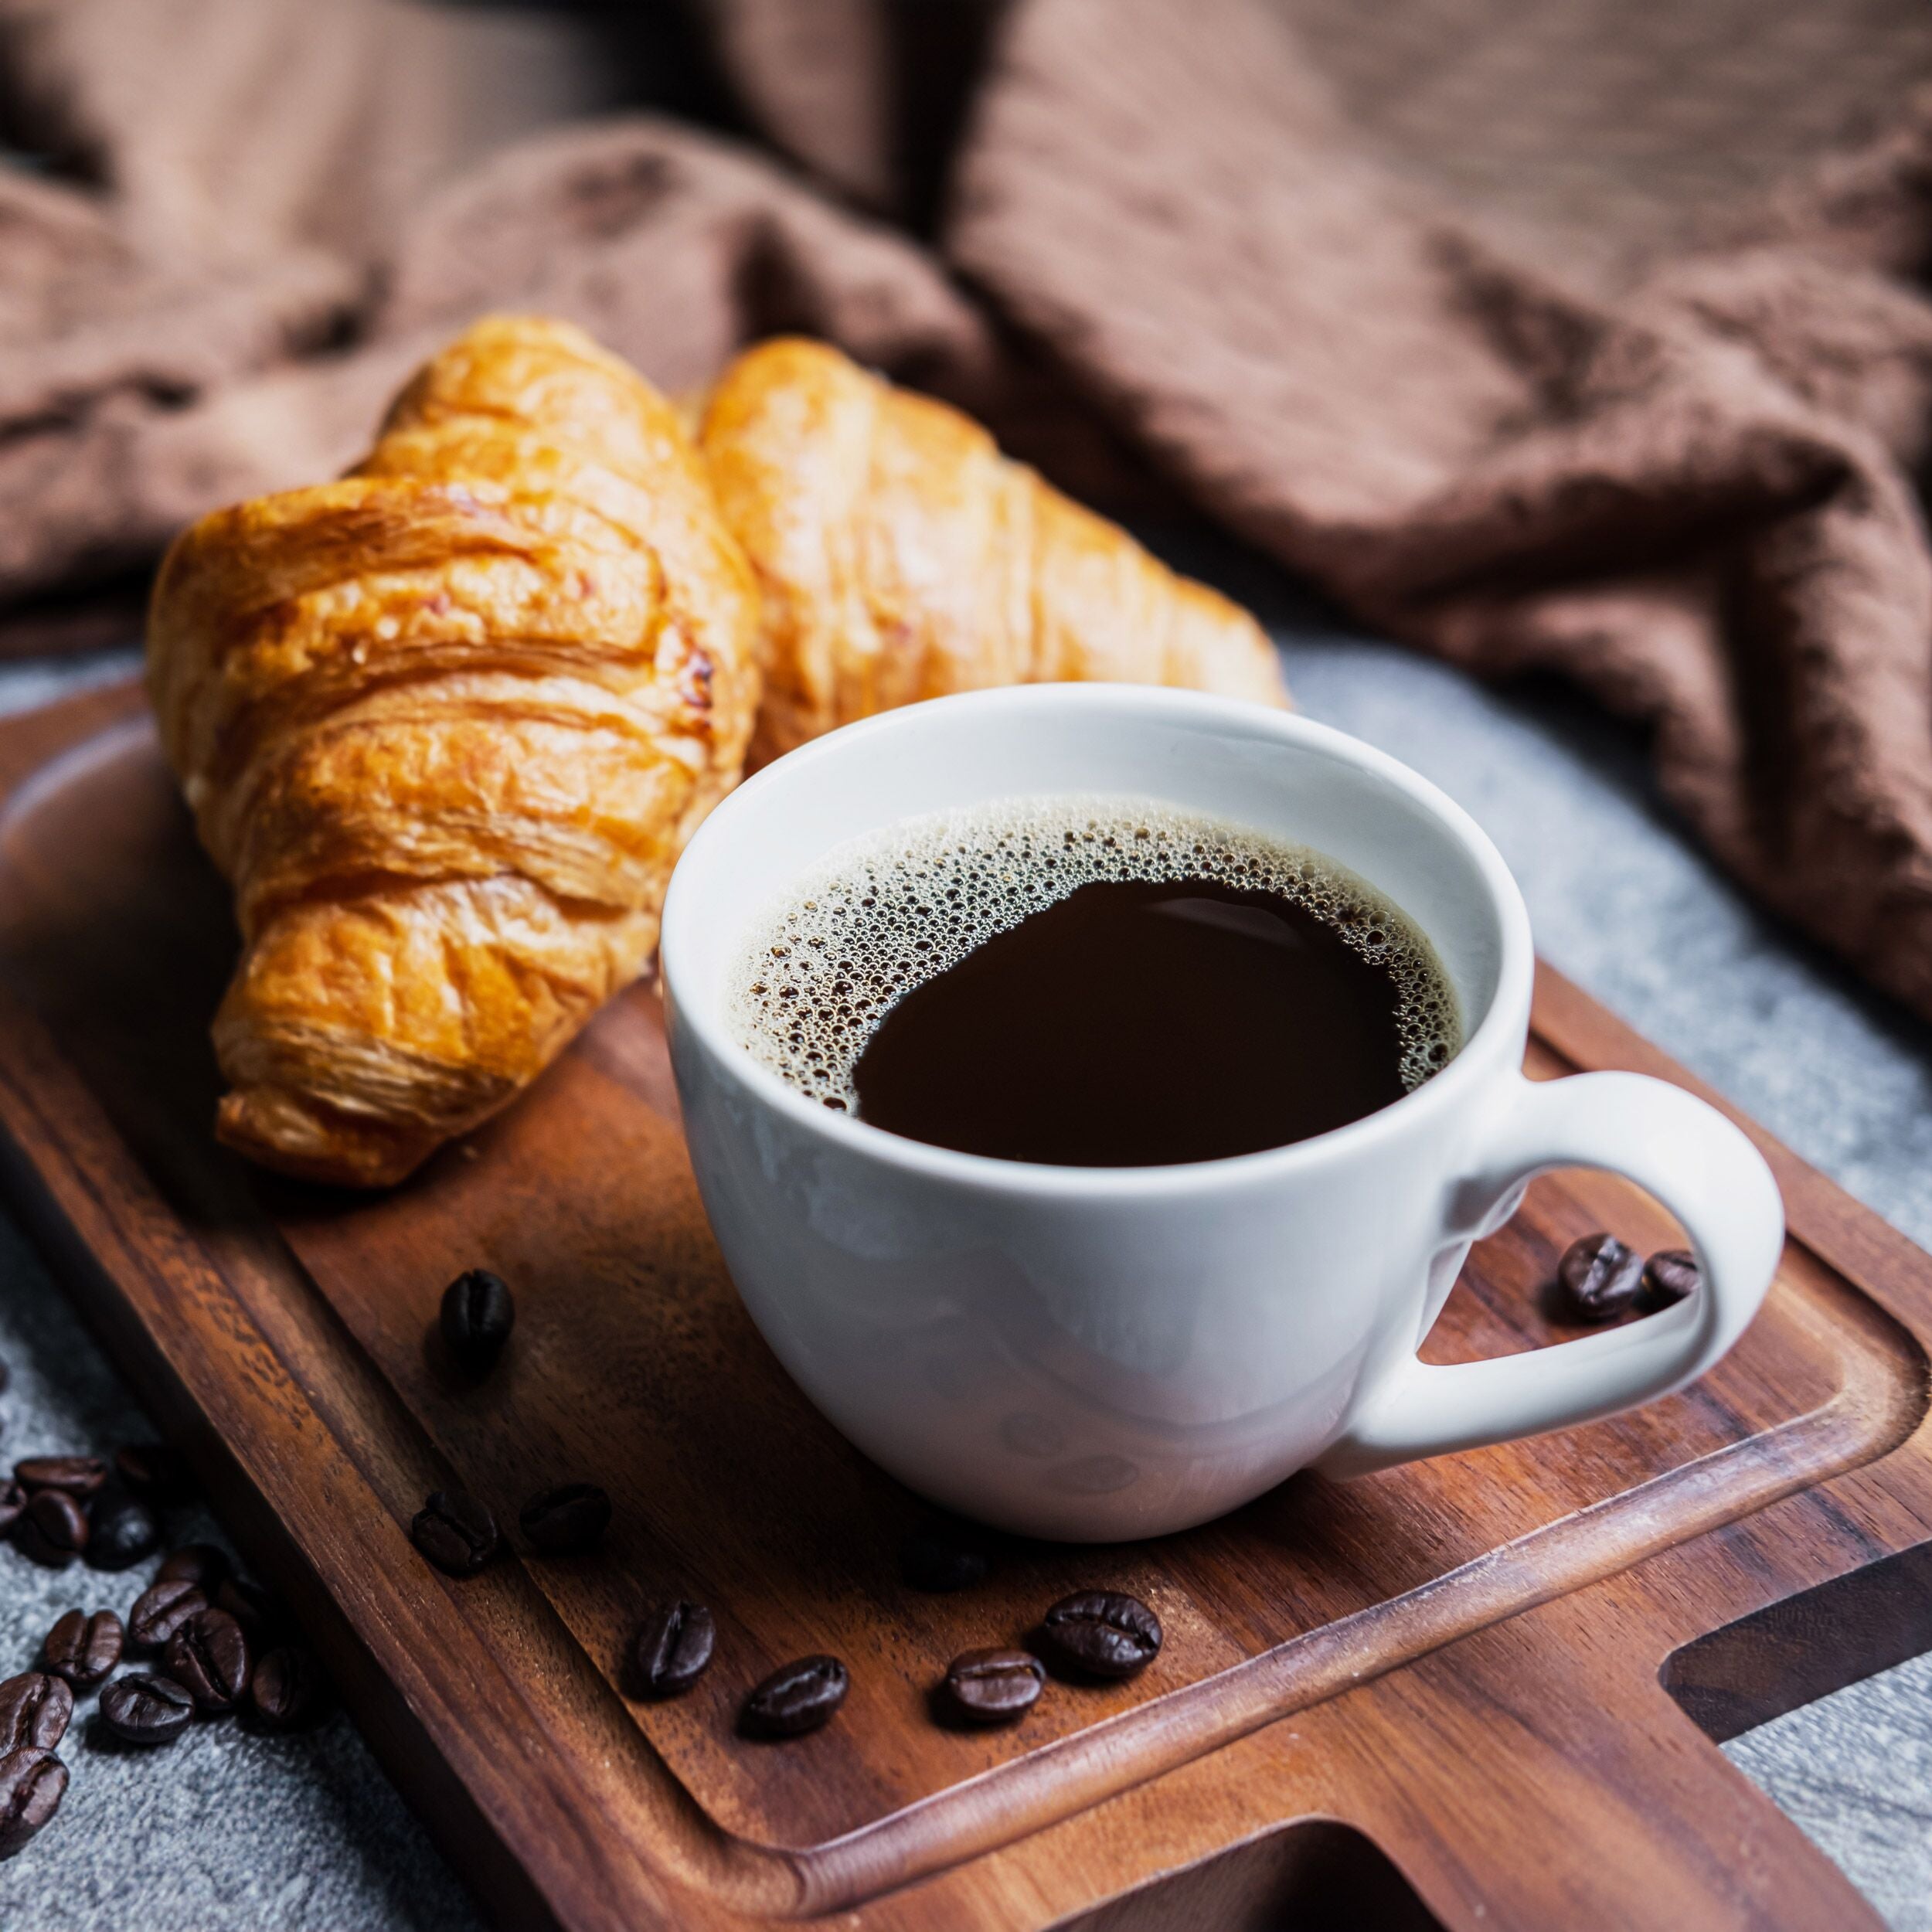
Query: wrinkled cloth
[1587, 339]
[1662, 444]
[287, 229]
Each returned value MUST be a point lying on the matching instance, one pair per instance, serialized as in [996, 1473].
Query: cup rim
[851, 1135]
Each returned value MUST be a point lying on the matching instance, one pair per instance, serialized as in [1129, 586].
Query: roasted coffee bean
[259, 1611]
[286, 1688]
[82, 1648]
[201, 1564]
[1103, 1632]
[994, 1686]
[796, 1698]
[673, 1650]
[209, 1657]
[477, 1318]
[455, 1531]
[34, 1709]
[1669, 1277]
[78, 1476]
[161, 1610]
[13, 1503]
[1600, 1277]
[33, 1783]
[52, 1530]
[121, 1529]
[146, 1709]
[942, 1557]
[153, 1470]
[567, 1520]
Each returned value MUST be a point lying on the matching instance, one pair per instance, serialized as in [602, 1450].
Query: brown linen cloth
[1527, 365]
[1581, 334]
[282, 206]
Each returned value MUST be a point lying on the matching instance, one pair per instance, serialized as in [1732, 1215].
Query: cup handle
[1673, 1146]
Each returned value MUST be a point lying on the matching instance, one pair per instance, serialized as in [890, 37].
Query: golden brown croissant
[446, 725]
[901, 556]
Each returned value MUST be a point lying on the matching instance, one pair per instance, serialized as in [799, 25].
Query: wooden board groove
[281, 1333]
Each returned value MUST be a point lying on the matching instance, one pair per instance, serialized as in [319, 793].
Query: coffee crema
[1094, 982]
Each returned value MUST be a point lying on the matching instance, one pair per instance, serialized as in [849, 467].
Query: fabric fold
[1586, 339]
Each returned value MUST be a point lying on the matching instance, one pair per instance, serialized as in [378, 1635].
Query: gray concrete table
[234, 1831]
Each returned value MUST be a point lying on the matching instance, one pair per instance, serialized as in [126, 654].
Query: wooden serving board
[1480, 1692]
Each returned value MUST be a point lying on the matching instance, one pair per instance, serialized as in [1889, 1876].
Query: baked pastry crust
[445, 725]
[901, 556]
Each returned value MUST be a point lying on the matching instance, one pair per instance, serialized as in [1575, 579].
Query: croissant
[901, 556]
[445, 725]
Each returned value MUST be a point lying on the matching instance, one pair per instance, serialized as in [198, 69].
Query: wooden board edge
[400, 1737]
[1857, 1241]
[28, 739]
[79, 719]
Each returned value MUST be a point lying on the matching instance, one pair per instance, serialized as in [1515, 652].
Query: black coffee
[1090, 983]
[1136, 1025]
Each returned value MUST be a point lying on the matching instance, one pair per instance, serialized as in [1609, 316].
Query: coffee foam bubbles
[888, 912]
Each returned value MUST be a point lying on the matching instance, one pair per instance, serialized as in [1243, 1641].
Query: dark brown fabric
[1558, 401]
[292, 203]
[1586, 336]
[817, 76]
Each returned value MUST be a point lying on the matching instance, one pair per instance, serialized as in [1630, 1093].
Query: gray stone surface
[1623, 905]
[226, 1828]
[232, 1831]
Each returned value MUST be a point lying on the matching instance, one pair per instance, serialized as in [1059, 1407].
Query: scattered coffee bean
[796, 1698]
[34, 1709]
[209, 1658]
[942, 1557]
[201, 1564]
[1669, 1277]
[994, 1686]
[33, 1783]
[1599, 1276]
[477, 1318]
[259, 1611]
[1103, 1632]
[82, 1648]
[146, 1709]
[121, 1529]
[78, 1476]
[161, 1610]
[153, 1470]
[13, 1503]
[673, 1650]
[455, 1531]
[286, 1688]
[52, 1530]
[567, 1520]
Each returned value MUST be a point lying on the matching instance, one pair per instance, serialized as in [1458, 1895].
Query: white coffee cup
[1098, 1353]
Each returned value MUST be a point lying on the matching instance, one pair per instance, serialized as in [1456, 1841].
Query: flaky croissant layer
[901, 556]
[446, 725]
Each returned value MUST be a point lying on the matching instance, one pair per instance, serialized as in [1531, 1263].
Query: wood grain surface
[1458, 1669]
